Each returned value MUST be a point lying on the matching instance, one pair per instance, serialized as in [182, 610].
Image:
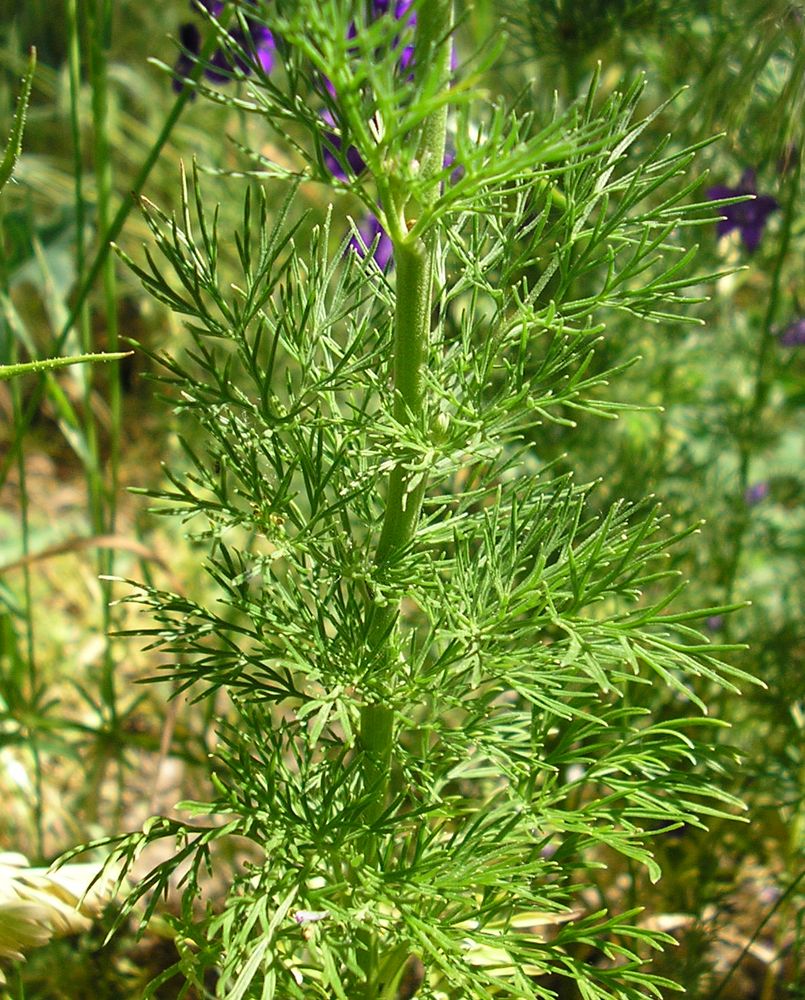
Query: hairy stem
[414, 260]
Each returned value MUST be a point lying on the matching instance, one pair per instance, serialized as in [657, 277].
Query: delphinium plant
[433, 650]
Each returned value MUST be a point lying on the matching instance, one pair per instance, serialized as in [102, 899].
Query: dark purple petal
[332, 152]
[370, 229]
[794, 334]
[406, 62]
[401, 11]
[725, 226]
[259, 44]
[190, 40]
[355, 160]
[334, 164]
[328, 85]
[751, 234]
[721, 191]
[218, 62]
[385, 251]
[763, 206]
[450, 161]
[747, 216]
[257, 41]
[331, 162]
[264, 45]
[755, 493]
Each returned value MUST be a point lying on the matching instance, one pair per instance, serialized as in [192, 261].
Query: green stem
[411, 328]
[99, 24]
[92, 464]
[414, 260]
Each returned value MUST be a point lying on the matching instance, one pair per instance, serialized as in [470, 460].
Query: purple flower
[794, 334]
[748, 217]
[258, 42]
[370, 229]
[756, 493]
[333, 148]
[379, 9]
[406, 61]
[715, 623]
[190, 40]
[450, 161]
[401, 8]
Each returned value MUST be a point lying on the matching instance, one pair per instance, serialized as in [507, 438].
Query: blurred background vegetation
[86, 751]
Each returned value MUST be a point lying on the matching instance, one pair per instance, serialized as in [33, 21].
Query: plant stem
[92, 462]
[99, 31]
[411, 328]
[764, 371]
[414, 261]
[100, 40]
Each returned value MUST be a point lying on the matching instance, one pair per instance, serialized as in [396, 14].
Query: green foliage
[416, 783]
[454, 708]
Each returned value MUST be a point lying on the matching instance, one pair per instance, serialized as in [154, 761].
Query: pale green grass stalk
[92, 467]
[101, 29]
[99, 24]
